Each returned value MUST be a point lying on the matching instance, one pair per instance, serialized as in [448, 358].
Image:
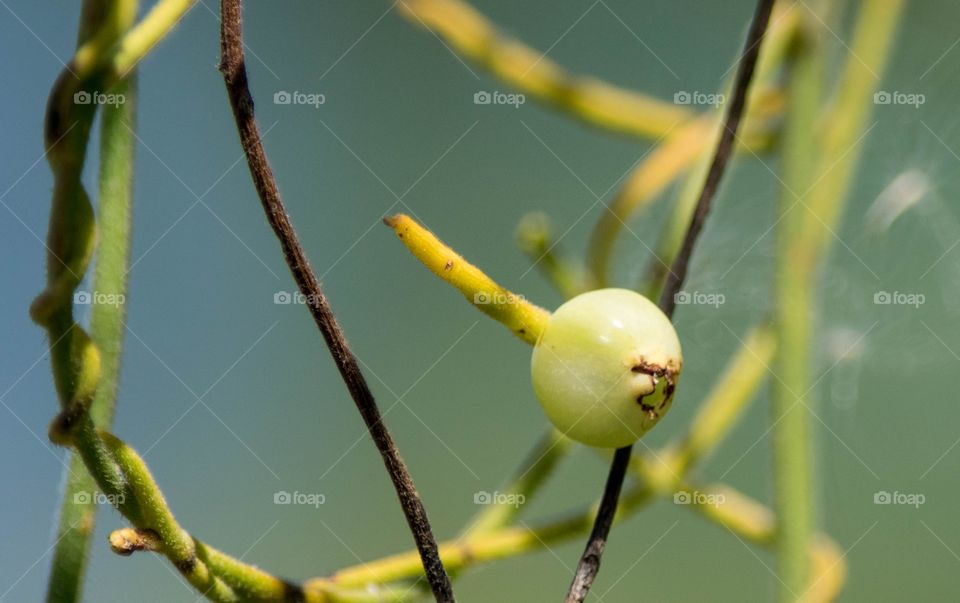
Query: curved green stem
[78, 511]
[535, 238]
[595, 102]
[540, 463]
[85, 366]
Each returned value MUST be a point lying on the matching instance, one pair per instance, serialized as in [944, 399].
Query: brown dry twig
[233, 68]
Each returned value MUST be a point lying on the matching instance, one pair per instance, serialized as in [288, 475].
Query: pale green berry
[606, 366]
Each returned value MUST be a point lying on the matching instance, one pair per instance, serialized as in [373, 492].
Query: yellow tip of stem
[523, 318]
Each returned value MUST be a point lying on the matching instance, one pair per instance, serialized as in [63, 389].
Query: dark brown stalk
[233, 68]
[589, 563]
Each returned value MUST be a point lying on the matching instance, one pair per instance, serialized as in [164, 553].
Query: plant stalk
[817, 177]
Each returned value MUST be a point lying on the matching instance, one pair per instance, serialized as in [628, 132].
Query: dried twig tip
[126, 541]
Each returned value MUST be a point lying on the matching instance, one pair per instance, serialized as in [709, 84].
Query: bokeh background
[399, 129]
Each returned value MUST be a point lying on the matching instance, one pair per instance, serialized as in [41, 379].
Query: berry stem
[589, 564]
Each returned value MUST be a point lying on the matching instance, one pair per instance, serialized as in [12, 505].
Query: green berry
[606, 366]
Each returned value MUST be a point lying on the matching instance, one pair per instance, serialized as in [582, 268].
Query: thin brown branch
[590, 560]
[589, 564]
[233, 68]
[722, 155]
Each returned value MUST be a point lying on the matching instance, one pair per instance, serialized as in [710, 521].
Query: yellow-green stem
[540, 462]
[792, 474]
[816, 181]
[473, 36]
[536, 239]
[523, 318]
[78, 511]
[762, 104]
[728, 398]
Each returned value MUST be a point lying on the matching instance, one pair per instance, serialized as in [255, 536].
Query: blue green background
[399, 115]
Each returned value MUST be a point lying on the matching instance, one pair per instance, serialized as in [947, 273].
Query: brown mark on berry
[656, 372]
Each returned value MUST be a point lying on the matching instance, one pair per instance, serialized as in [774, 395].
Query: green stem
[483, 548]
[85, 366]
[727, 400]
[113, 248]
[78, 511]
[791, 442]
[149, 511]
[779, 39]
[471, 35]
[146, 34]
[77, 515]
[540, 463]
[535, 238]
[816, 181]
[71, 239]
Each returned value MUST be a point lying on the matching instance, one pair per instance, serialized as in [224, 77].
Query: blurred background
[232, 398]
